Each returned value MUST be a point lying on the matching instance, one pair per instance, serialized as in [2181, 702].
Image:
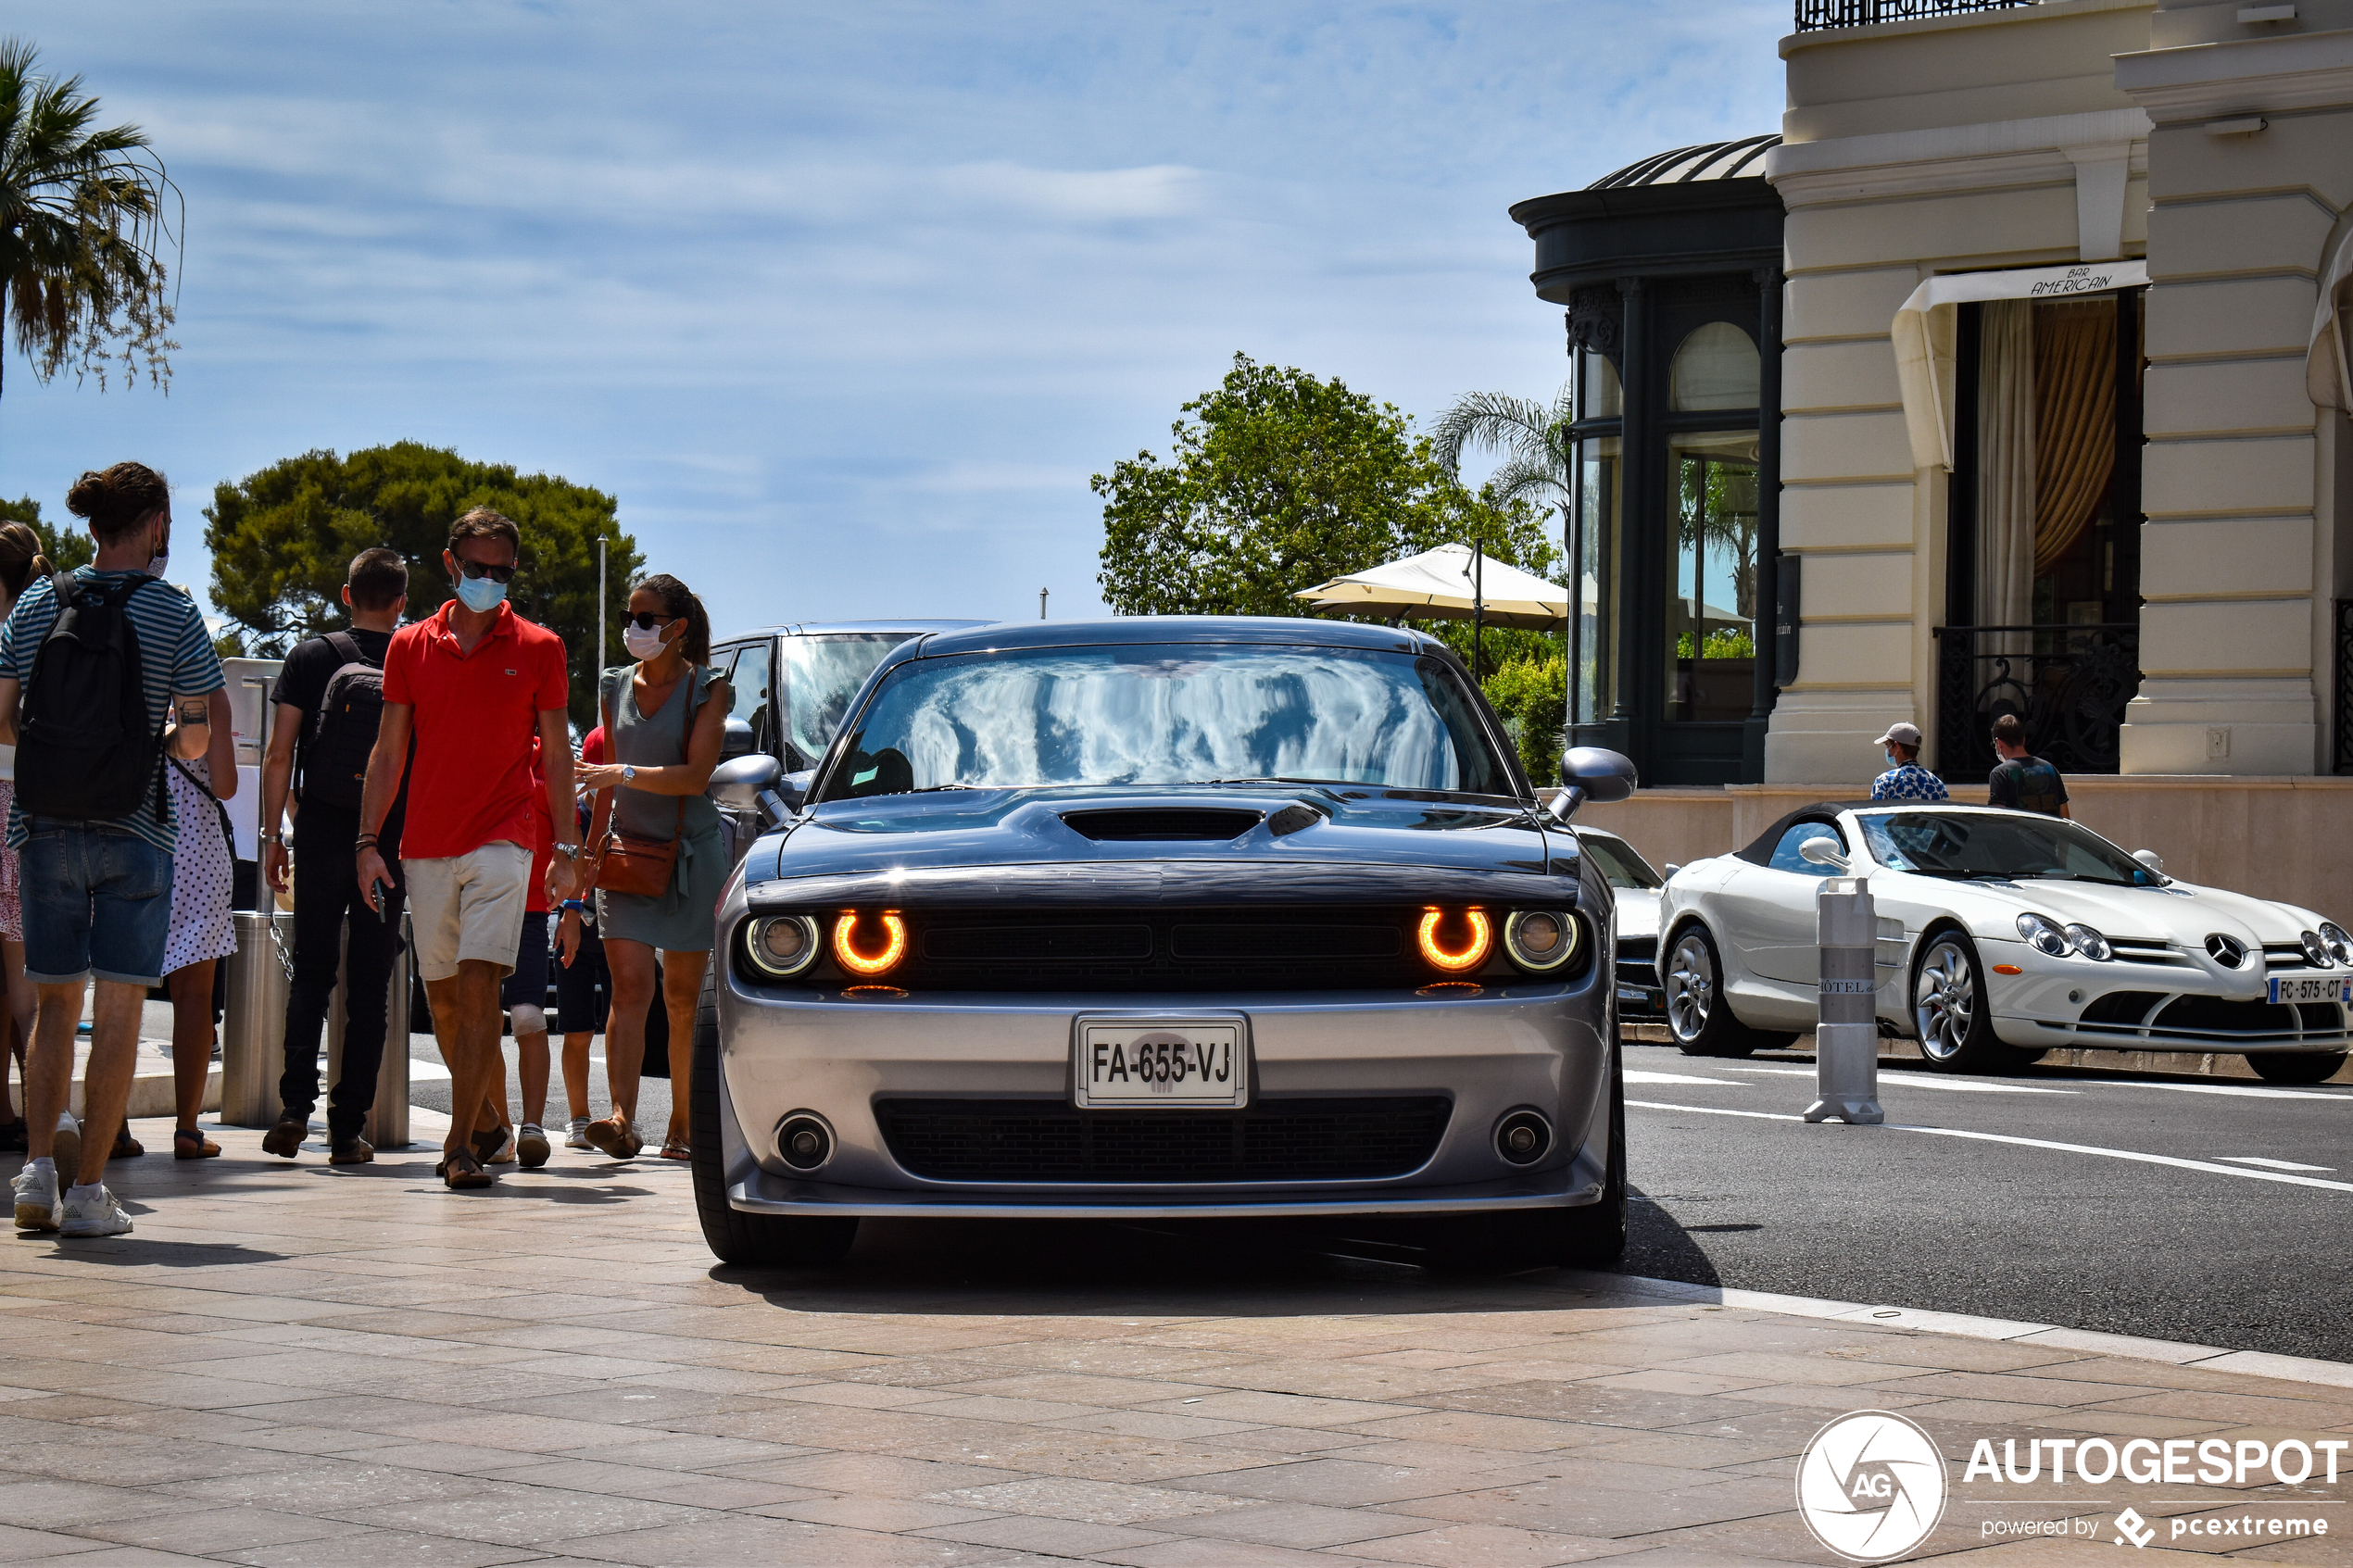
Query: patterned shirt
[175, 659]
[1910, 782]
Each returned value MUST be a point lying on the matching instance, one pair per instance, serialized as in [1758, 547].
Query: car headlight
[855, 947]
[2090, 943]
[1464, 948]
[2044, 936]
[782, 946]
[2316, 949]
[2340, 946]
[1540, 940]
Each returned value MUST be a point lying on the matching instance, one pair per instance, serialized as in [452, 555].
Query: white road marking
[1634, 1077]
[2134, 1155]
[1921, 1081]
[2254, 1091]
[2270, 1164]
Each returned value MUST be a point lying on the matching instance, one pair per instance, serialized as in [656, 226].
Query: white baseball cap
[1902, 734]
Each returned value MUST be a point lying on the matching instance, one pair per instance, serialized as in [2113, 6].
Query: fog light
[782, 946]
[1468, 950]
[869, 961]
[803, 1141]
[1523, 1137]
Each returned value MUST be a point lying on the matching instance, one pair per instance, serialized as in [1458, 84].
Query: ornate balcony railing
[2068, 684]
[1817, 14]
[2343, 751]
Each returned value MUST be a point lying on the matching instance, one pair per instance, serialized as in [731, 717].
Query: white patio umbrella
[1450, 583]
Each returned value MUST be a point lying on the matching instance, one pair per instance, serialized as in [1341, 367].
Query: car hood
[1637, 912]
[2182, 913]
[1299, 824]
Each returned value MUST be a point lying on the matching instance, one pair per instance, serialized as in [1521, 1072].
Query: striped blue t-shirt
[175, 659]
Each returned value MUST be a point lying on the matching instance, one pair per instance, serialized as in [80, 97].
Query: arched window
[1716, 367]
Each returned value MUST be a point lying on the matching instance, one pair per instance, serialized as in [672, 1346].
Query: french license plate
[2311, 988]
[1168, 1063]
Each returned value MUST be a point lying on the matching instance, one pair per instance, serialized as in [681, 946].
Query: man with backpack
[330, 698]
[90, 664]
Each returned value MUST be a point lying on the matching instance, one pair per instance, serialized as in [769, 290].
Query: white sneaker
[93, 1213]
[576, 1135]
[37, 1207]
[66, 1148]
[506, 1155]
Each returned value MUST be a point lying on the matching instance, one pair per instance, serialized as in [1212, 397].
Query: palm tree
[1533, 437]
[82, 223]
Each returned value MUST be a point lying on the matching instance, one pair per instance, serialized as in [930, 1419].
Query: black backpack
[342, 734]
[85, 750]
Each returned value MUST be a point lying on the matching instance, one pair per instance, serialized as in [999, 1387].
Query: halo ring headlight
[850, 931]
[783, 946]
[1455, 960]
[1540, 940]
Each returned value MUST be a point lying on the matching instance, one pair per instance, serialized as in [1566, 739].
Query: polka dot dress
[202, 873]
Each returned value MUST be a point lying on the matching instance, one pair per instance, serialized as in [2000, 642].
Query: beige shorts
[469, 906]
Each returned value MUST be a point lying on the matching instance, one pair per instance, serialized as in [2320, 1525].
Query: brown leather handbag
[626, 863]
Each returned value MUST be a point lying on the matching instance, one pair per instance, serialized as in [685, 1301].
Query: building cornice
[2301, 71]
[1988, 155]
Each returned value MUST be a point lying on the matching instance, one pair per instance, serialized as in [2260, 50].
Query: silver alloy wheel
[1691, 986]
[1944, 1000]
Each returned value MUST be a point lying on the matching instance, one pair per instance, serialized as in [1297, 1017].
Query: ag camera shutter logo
[1870, 1486]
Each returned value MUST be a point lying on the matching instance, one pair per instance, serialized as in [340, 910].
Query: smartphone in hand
[380, 900]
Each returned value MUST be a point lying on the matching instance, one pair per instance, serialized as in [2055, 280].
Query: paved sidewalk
[295, 1364]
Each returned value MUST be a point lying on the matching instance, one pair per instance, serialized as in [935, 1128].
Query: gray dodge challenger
[1166, 917]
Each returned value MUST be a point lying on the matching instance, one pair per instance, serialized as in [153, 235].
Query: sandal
[488, 1143]
[188, 1143]
[463, 1173]
[125, 1146]
[676, 1149]
[615, 1137]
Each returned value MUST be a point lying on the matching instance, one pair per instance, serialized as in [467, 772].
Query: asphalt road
[2228, 1252]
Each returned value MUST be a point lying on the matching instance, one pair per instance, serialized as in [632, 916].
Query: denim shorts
[97, 900]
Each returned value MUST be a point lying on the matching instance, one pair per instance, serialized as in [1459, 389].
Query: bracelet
[274, 838]
[575, 907]
[365, 841]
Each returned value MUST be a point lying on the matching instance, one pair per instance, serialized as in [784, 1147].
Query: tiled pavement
[292, 1364]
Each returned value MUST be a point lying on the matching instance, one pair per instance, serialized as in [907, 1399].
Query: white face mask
[643, 646]
[162, 558]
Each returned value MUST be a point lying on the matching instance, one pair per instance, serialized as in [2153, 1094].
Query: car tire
[1699, 1019]
[1951, 1014]
[758, 1241]
[1590, 1236]
[2296, 1067]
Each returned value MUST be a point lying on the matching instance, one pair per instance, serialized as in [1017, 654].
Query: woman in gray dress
[665, 716]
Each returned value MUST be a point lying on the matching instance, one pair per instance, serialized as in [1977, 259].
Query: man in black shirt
[2018, 780]
[320, 698]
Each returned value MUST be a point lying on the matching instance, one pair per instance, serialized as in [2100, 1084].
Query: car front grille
[1638, 992]
[2211, 1021]
[1276, 1140]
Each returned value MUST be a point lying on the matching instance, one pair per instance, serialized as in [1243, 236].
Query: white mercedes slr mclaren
[2002, 934]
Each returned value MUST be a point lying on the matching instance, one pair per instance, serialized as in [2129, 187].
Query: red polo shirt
[476, 716]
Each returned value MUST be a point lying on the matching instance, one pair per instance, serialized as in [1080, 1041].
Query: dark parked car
[1181, 917]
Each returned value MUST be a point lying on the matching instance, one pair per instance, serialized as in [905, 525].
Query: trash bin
[387, 1124]
[253, 1026]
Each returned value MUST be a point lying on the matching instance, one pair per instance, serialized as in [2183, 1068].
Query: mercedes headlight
[2044, 936]
[2340, 946]
[2090, 943]
[2316, 949]
[782, 946]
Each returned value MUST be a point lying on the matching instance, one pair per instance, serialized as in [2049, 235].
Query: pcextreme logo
[1870, 1486]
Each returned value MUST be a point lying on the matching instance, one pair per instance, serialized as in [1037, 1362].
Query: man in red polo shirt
[473, 684]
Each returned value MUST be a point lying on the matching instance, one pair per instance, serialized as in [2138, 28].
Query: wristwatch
[628, 774]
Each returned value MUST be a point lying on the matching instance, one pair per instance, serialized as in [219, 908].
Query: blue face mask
[478, 594]
[1892, 760]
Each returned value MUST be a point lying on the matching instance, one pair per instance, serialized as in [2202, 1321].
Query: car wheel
[2296, 1067]
[1950, 1010]
[1698, 1016]
[760, 1241]
[1591, 1236]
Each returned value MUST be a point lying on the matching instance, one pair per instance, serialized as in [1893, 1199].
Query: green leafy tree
[283, 539]
[65, 551]
[83, 223]
[1277, 481]
[1531, 694]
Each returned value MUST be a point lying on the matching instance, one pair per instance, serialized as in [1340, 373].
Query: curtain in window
[2005, 464]
[2074, 418]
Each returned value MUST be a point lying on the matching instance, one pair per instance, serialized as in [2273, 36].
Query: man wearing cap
[1905, 778]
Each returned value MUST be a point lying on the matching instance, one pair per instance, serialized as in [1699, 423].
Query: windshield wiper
[1275, 781]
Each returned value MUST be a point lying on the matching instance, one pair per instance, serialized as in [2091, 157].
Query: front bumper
[1487, 1050]
[2173, 1002]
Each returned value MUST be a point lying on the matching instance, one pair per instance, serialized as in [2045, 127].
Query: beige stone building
[2056, 392]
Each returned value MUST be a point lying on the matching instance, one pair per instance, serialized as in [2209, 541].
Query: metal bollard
[387, 1123]
[1846, 1040]
[254, 1031]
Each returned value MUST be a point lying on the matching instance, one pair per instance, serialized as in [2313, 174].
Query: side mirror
[792, 790]
[1823, 852]
[735, 739]
[737, 783]
[1671, 869]
[1592, 772]
[2150, 858]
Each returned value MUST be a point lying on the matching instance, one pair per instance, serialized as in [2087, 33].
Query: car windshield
[821, 675]
[1999, 847]
[1170, 713]
[1619, 864]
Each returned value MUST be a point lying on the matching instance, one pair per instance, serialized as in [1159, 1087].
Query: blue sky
[845, 303]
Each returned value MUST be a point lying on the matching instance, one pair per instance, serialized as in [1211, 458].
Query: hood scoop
[1163, 824]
